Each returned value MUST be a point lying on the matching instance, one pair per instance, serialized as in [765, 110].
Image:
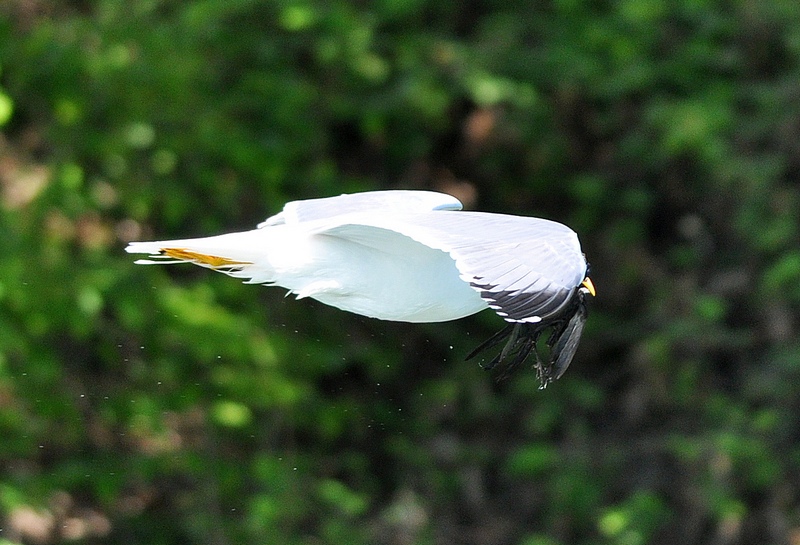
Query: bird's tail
[237, 254]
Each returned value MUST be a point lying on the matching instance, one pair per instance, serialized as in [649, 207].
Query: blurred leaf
[339, 496]
[532, 460]
[6, 108]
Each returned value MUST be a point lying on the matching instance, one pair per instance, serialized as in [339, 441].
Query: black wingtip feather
[521, 340]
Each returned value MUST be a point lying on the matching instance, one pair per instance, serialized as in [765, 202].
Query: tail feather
[168, 255]
[237, 254]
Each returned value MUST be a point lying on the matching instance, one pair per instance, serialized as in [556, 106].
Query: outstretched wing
[384, 202]
[526, 269]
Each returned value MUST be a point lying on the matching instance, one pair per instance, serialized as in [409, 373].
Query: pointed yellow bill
[587, 283]
[212, 260]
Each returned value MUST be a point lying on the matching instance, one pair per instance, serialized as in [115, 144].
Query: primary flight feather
[413, 256]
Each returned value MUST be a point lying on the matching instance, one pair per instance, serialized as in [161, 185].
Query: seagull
[414, 256]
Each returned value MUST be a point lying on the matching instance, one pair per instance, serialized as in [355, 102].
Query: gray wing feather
[567, 344]
[525, 268]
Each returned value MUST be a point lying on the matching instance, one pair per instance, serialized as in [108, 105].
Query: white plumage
[393, 255]
[408, 256]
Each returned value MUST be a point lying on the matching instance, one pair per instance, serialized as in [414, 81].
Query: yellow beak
[587, 283]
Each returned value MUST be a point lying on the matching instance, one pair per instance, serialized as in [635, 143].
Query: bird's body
[403, 256]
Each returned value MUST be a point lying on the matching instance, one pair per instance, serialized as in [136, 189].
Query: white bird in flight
[413, 256]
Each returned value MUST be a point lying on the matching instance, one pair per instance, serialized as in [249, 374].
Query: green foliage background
[165, 406]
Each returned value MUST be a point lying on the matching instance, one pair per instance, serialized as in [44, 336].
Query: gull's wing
[384, 202]
[526, 269]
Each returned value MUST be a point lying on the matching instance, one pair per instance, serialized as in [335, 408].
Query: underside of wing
[526, 269]
[384, 202]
